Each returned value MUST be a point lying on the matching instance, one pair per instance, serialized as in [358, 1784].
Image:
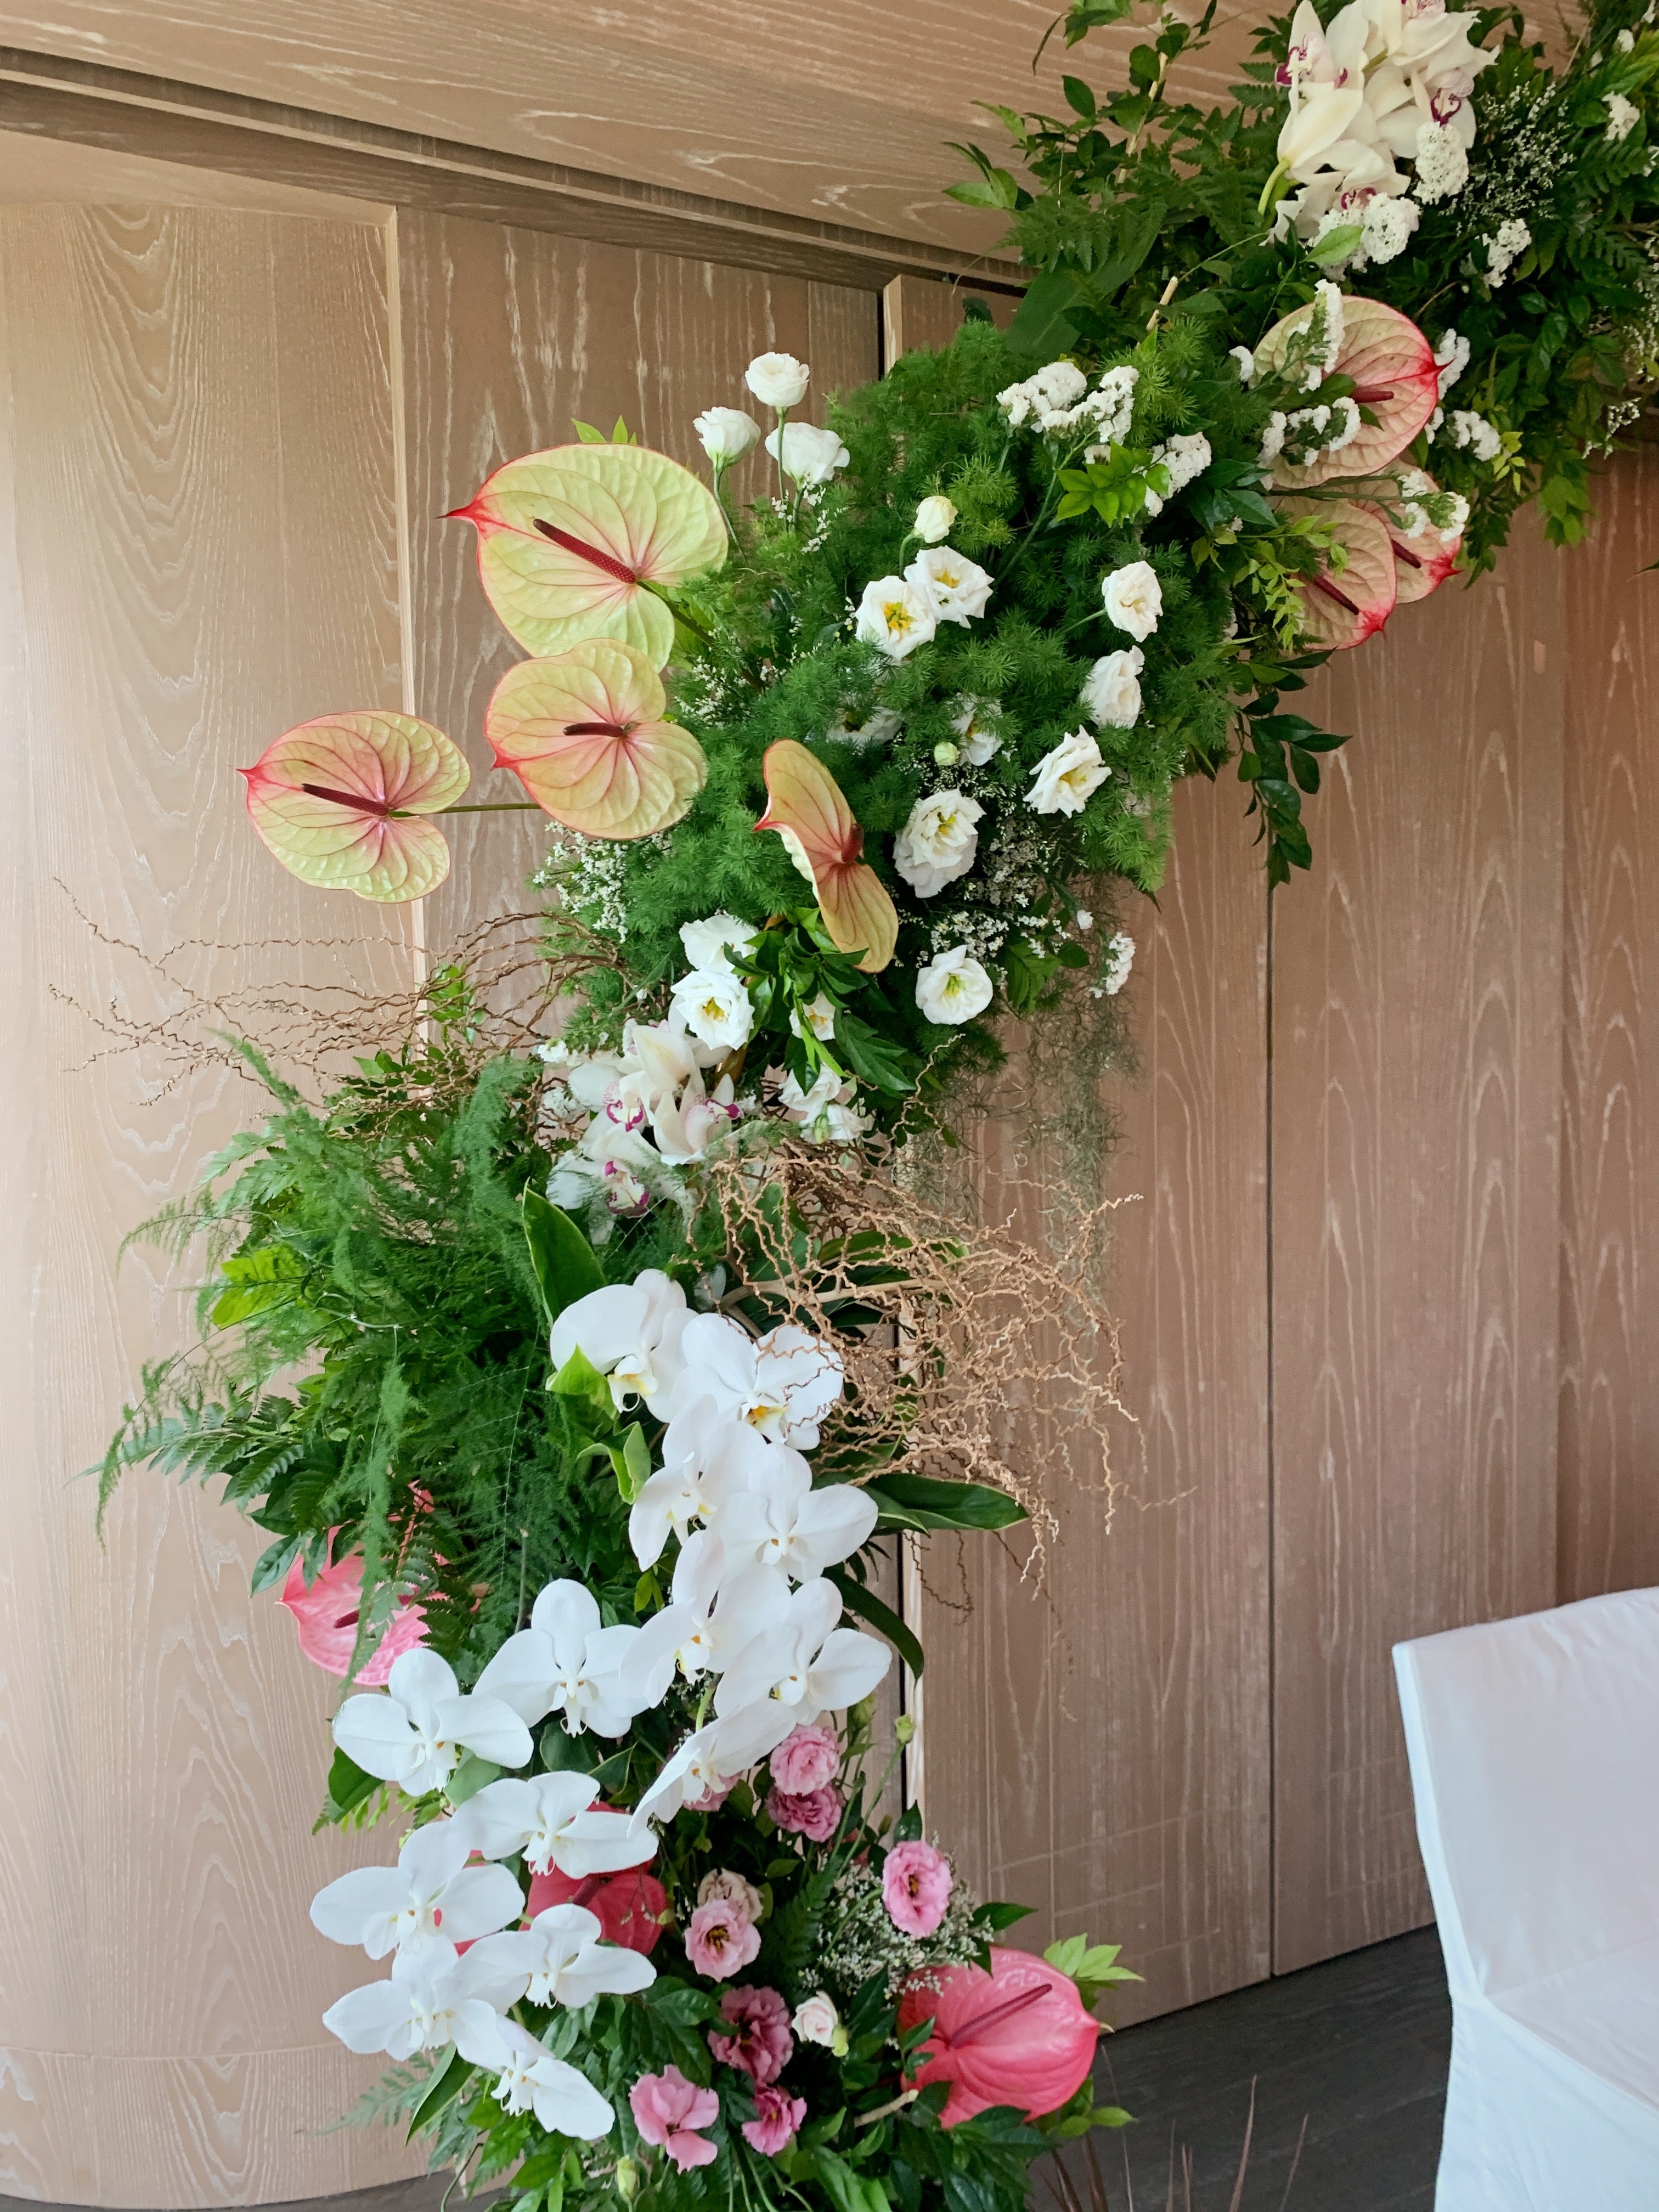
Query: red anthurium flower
[1018, 2035]
[570, 540]
[1396, 379]
[587, 736]
[326, 1618]
[1344, 610]
[825, 843]
[339, 802]
[632, 1906]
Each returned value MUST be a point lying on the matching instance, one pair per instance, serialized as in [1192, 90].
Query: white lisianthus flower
[1065, 779]
[958, 590]
[938, 842]
[972, 722]
[817, 2021]
[1083, 919]
[707, 942]
[820, 1017]
[713, 1005]
[933, 519]
[728, 434]
[953, 988]
[809, 456]
[1623, 115]
[777, 379]
[1133, 598]
[1112, 694]
[894, 614]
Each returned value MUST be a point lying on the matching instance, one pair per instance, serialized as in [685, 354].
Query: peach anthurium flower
[339, 802]
[1423, 561]
[811, 815]
[1394, 379]
[587, 736]
[1344, 610]
[570, 540]
[326, 1616]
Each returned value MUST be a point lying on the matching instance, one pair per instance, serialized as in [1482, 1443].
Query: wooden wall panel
[1608, 1519]
[198, 548]
[1416, 1040]
[1100, 1748]
[507, 335]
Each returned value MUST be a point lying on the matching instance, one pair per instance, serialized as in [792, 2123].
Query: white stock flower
[1246, 360]
[714, 1004]
[782, 1521]
[955, 589]
[953, 988]
[803, 1666]
[728, 434]
[565, 1662]
[1182, 459]
[414, 1734]
[1503, 249]
[707, 1455]
[777, 379]
[1386, 226]
[1623, 116]
[1133, 598]
[708, 943]
[810, 456]
[934, 518]
[530, 2079]
[938, 842]
[430, 1895]
[894, 614]
[1465, 428]
[433, 1999]
[1451, 358]
[782, 1384]
[1112, 694]
[1442, 162]
[1120, 958]
[630, 1332]
[973, 722]
[550, 1819]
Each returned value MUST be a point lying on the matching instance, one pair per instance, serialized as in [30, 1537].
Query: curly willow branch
[975, 1357]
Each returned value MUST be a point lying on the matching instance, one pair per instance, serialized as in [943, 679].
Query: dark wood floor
[1357, 2047]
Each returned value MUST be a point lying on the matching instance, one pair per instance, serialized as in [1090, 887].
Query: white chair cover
[1535, 1759]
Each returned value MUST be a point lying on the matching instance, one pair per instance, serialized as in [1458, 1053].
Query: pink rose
[806, 1760]
[776, 2123]
[915, 1888]
[762, 2045]
[720, 1940]
[667, 2108]
[817, 1815]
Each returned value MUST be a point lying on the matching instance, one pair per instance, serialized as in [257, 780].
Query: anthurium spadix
[1396, 381]
[586, 734]
[570, 542]
[432, 1998]
[564, 1662]
[414, 1735]
[431, 1894]
[1343, 608]
[804, 1665]
[807, 809]
[551, 1819]
[341, 801]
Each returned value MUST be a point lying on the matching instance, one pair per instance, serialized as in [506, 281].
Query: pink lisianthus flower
[720, 1939]
[761, 2045]
[915, 1888]
[668, 2109]
[776, 2123]
[817, 1815]
[326, 1616]
[710, 1801]
[808, 1759]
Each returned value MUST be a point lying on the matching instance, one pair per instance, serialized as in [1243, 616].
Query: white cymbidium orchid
[782, 1385]
[631, 1332]
[706, 1457]
[430, 1895]
[564, 1662]
[780, 1520]
[550, 1819]
[414, 1735]
[533, 2080]
[702, 1631]
[568, 1964]
[432, 1999]
[803, 1666]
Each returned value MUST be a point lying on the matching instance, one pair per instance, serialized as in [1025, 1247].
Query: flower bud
[947, 755]
[628, 2179]
[904, 1729]
[933, 519]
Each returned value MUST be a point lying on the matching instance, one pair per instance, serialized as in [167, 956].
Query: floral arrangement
[575, 1382]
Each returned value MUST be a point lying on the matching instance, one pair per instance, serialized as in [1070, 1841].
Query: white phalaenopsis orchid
[715, 1615]
[706, 1762]
[433, 1998]
[551, 1819]
[430, 1895]
[564, 1662]
[782, 1384]
[531, 2079]
[707, 1456]
[631, 1332]
[780, 1520]
[804, 1665]
[414, 1735]
[568, 1964]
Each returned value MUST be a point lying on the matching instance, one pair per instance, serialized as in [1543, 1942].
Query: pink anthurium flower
[338, 801]
[1395, 379]
[434, 1998]
[326, 1616]
[1017, 2036]
[571, 541]
[587, 736]
[1342, 611]
[431, 1893]
[807, 809]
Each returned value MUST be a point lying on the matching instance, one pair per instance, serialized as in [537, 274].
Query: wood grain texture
[199, 549]
[1416, 1055]
[508, 336]
[1099, 1748]
[33, 168]
[919, 311]
[1608, 1520]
